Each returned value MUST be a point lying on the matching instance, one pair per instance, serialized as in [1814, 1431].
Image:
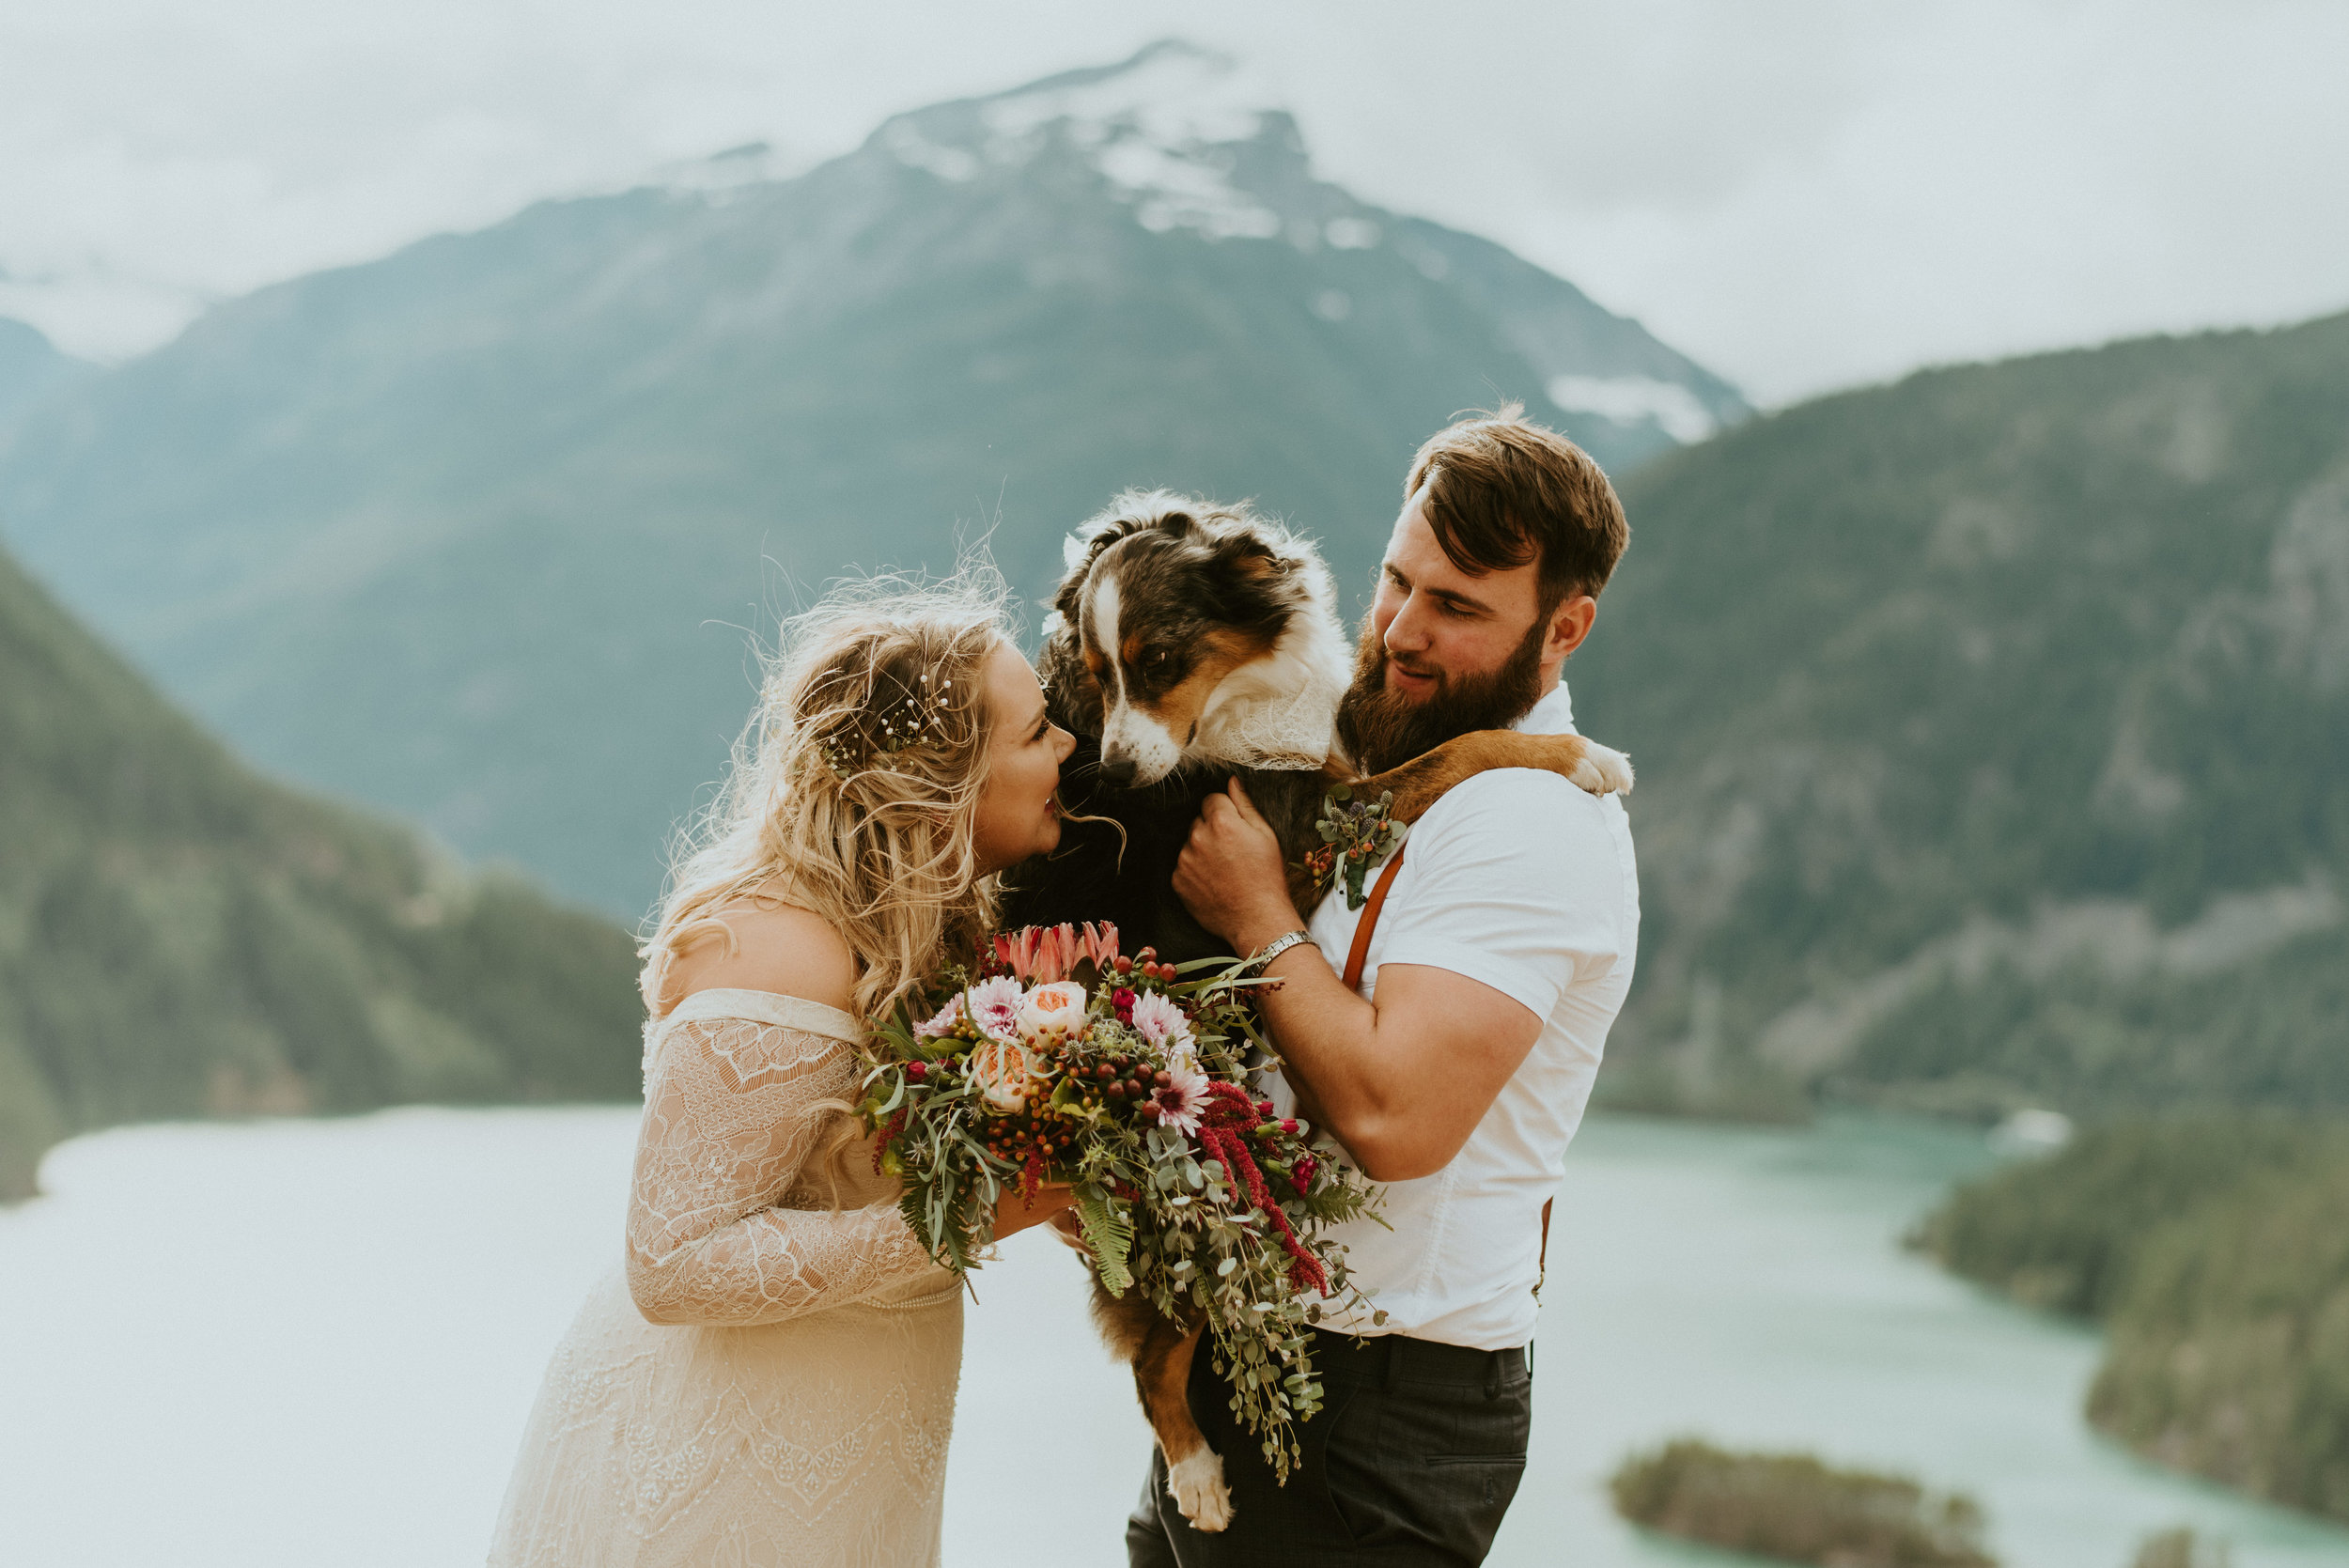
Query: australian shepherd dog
[1190, 642]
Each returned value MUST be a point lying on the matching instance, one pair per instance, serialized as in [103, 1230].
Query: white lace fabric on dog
[1255, 723]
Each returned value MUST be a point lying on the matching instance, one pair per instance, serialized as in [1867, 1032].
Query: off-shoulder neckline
[785, 1012]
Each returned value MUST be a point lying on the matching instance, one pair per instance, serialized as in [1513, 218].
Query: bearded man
[1457, 1071]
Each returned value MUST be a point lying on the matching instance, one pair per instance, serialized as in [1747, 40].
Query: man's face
[1447, 651]
[1438, 625]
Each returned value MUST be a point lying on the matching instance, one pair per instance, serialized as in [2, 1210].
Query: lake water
[287, 1345]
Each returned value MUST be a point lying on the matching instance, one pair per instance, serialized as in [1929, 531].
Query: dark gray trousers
[1413, 1459]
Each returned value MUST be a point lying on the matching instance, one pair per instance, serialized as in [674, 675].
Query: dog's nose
[1118, 771]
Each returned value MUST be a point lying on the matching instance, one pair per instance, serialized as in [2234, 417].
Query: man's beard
[1381, 729]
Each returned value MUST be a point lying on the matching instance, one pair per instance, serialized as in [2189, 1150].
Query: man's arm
[1402, 1082]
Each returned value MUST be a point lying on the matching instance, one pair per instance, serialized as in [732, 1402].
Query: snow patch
[1153, 130]
[1350, 234]
[1175, 96]
[1628, 400]
[1175, 188]
[915, 150]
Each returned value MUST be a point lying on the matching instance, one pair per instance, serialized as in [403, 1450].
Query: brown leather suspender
[1359, 952]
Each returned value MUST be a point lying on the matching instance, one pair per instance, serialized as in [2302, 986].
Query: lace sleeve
[732, 1116]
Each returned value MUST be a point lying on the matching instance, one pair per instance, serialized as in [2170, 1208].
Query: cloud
[1802, 195]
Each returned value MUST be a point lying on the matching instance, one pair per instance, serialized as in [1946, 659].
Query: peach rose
[1005, 1072]
[1053, 1013]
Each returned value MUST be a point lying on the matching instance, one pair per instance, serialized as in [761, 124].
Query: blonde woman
[771, 1379]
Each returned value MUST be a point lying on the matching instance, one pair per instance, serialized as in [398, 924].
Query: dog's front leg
[1194, 1471]
[1421, 782]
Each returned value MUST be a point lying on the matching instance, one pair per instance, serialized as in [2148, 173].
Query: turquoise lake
[273, 1344]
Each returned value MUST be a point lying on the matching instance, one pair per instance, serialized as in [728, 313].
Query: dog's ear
[1250, 554]
[1083, 547]
[1071, 696]
[1087, 540]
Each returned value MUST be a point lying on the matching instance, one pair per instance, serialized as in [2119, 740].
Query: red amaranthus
[1223, 1132]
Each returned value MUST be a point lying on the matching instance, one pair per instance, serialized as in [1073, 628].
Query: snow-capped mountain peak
[1159, 128]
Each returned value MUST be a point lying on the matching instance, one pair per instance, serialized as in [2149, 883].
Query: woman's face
[1017, 815]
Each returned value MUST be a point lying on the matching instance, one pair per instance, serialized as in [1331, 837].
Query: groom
[1459, 1070]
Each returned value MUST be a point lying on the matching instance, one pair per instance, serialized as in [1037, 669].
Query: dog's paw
[1603, 770]
[1196, 1484]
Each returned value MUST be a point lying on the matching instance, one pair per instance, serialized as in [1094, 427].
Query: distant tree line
[2214, 1250]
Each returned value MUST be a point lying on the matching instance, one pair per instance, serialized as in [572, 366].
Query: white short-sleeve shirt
[1525, 883]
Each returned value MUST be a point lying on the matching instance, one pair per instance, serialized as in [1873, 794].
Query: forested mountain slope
[179, 937]
[1993, 733]
[2211, 1248]
[475, 531]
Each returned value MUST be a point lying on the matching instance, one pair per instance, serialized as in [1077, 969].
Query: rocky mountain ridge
[1993, 731]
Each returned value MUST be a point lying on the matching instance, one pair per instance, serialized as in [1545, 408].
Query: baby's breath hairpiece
[913, 718]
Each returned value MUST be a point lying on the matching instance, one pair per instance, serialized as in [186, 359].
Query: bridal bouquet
[1057, 1058]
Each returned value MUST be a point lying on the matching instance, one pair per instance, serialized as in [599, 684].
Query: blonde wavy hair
[853, 790]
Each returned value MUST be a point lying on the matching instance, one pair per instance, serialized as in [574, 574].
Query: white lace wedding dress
[790, 1401]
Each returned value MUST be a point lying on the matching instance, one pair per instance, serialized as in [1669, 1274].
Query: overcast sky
[1802, 195]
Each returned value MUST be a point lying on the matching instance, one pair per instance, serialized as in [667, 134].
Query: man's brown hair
[1503, 490]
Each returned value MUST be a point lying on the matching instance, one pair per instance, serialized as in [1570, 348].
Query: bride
[770, 1378]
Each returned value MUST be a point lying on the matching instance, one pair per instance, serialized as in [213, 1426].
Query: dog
[1190, 642]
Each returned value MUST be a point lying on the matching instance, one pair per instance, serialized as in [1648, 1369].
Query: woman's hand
[1014, 1214]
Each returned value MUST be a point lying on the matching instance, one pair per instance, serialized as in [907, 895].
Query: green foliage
[1224, 1225]
[1109, 1235]
[2182, 1549]
[179, 938]
[1792, 1507]
[2213, 1251]
[1993, 731]
[2064, 1232]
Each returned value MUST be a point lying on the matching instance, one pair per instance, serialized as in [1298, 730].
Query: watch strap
[1274, 948]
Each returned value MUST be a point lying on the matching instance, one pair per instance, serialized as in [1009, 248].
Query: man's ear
[1569, 624]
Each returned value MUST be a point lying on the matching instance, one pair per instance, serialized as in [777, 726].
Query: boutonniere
[1355, 836]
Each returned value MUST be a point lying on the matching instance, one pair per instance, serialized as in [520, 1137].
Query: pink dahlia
[1181, 1101]
[995, 1007]
[1162, 1023]
[948, 1015]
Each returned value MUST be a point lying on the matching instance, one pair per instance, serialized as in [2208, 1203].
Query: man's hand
[1230, 875]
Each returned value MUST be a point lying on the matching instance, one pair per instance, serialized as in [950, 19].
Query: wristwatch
[1274, 948]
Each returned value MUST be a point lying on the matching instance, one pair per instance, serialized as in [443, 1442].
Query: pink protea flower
[1181, 1101]
[1038, 955]
[995, 1007]
[1099, 943]
[1041, 954]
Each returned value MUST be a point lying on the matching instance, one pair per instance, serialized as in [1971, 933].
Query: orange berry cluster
[1040, 1130]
